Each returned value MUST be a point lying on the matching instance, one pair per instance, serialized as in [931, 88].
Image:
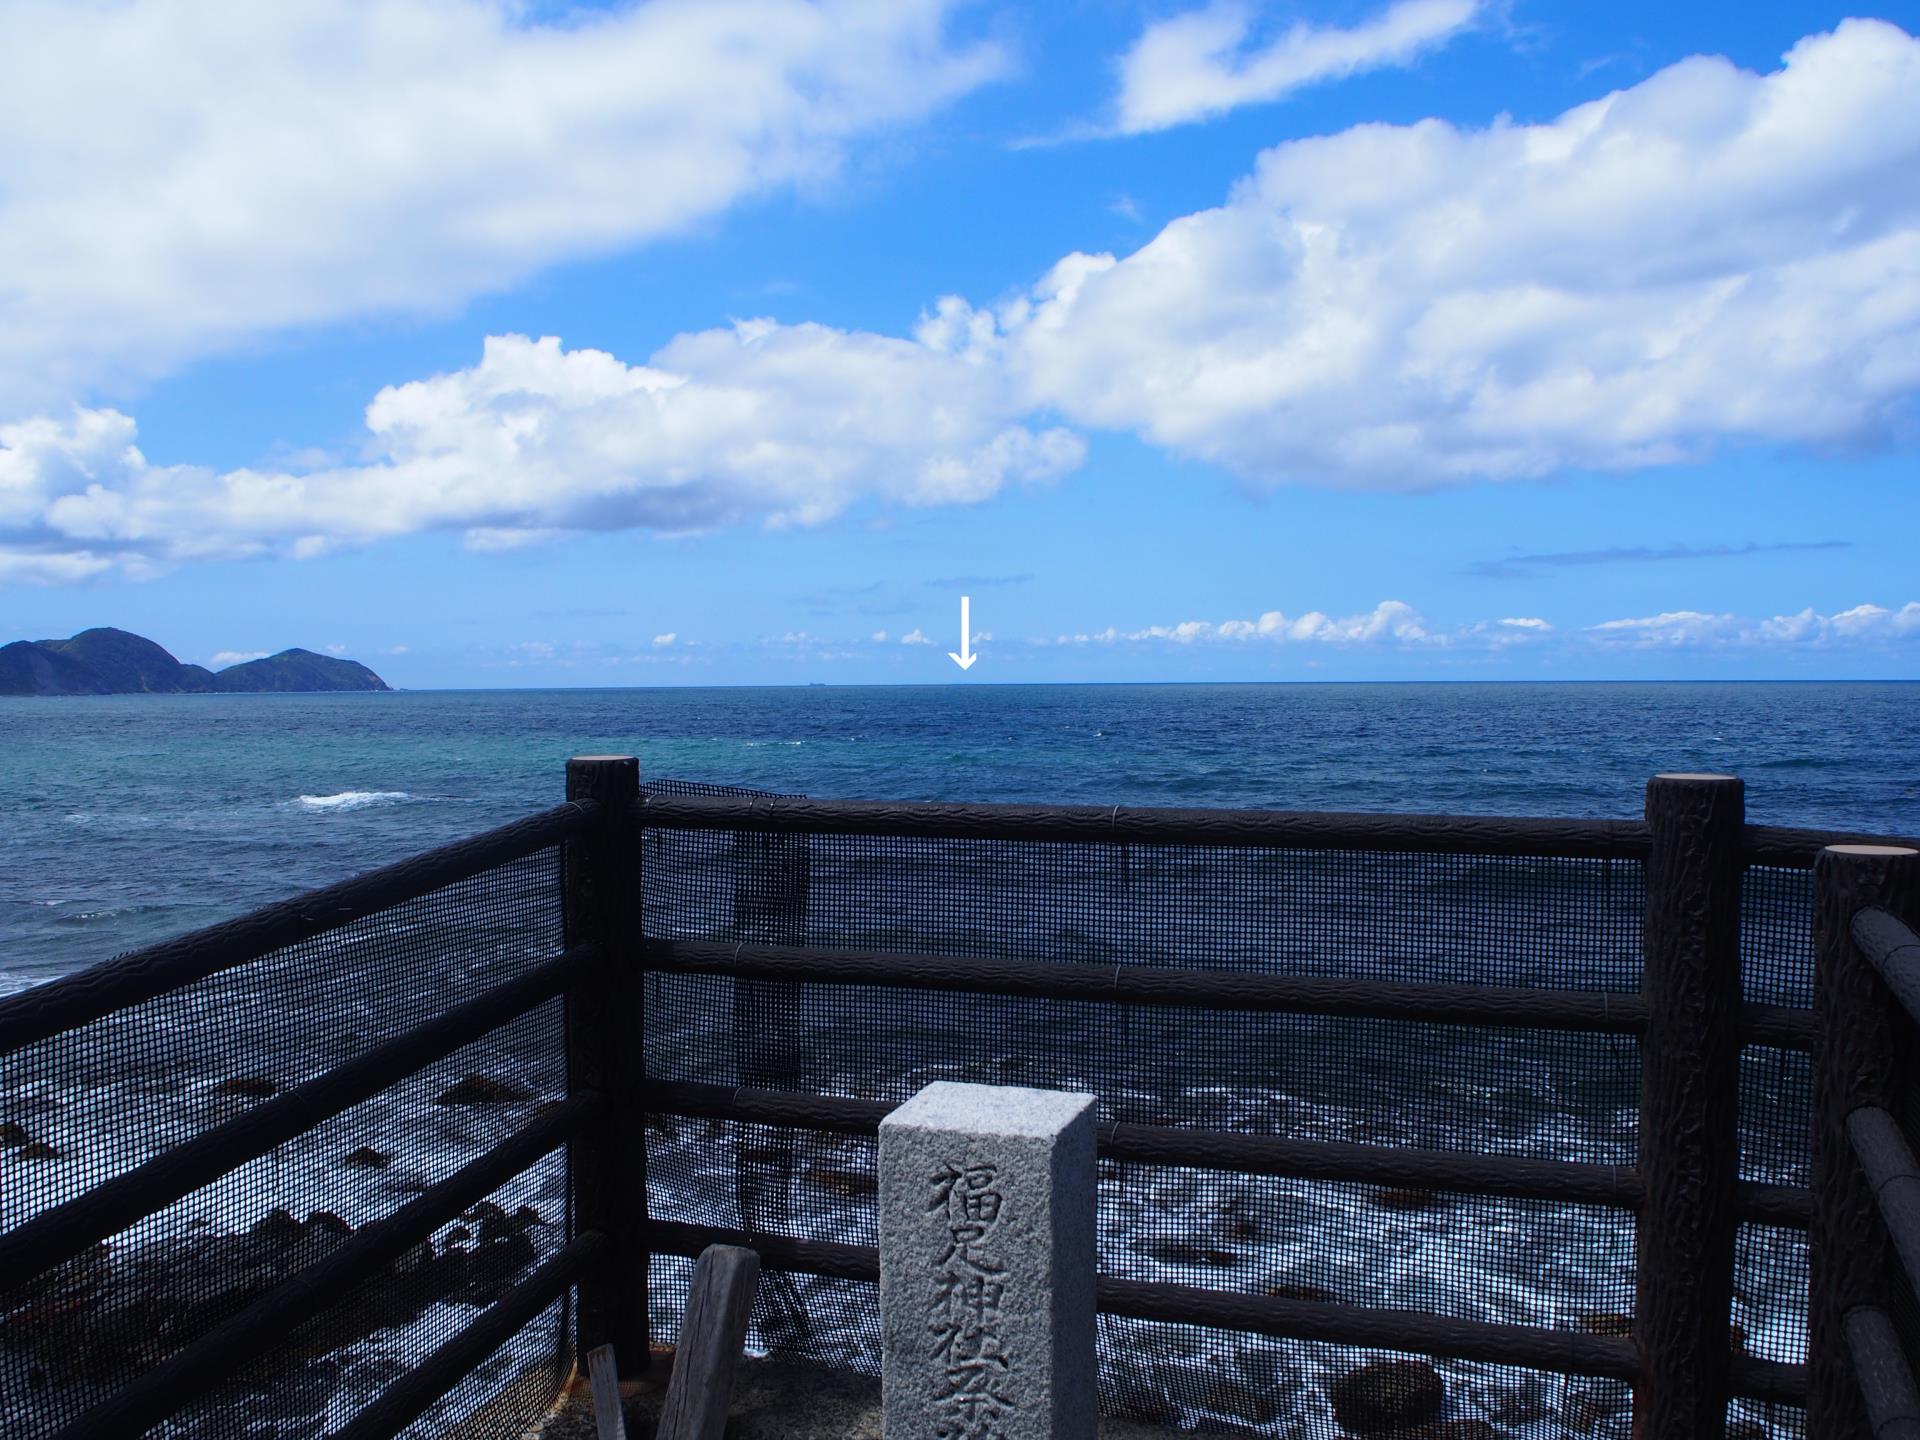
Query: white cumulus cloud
[662, 641]
[1710, 256]
[1199, 64]
[222, 658]
[1396, 623]
[1391, 621]
[179, 176]
[786, 424]
[1861, 625]
[915, 636]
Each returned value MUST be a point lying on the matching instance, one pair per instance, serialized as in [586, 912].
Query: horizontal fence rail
[1796, 849]
[1512, 1177]
[91, 994]
[64, 1231]
[1893, 1178]
[255, 1331]
[1127, 825]
[1894, 952]
[1487, 1006]
[1411, 1331]
[1545, 837]
[1886, 1382]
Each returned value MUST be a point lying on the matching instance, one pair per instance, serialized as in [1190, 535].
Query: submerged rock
[1288, 1291]
[1607, 1322]
[849, 1183]
[1619, 1325]
[247, 1087]
[1387, 1396]
[481, 1090]
[1169, 1250]
[109, 1314]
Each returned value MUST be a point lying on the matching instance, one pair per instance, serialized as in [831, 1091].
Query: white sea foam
[351, 799]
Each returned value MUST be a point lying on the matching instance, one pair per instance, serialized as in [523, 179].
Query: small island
[106, 661]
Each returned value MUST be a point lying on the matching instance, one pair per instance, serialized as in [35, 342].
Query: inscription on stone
[986, 1264]
[969, 1282]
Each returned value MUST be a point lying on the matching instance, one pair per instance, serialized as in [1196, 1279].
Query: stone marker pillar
[987, 1265]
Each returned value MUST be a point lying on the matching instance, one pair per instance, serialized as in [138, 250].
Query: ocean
[131, 818]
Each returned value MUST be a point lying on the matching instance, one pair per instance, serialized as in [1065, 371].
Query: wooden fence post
[605, 1052]
[1689, 1121]
[1856, 1061]
[771, 878]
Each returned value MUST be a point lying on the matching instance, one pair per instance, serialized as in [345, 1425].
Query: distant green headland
[115, 662]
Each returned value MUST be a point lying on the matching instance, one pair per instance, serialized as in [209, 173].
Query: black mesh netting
[91, 1104]
[1561, 923]
[94, 1102]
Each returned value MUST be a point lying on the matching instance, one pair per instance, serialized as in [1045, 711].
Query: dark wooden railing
[1866, 1220]
[1689, 1018]
[56, 1235]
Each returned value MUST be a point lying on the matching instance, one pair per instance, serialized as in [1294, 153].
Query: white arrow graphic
[966, 657]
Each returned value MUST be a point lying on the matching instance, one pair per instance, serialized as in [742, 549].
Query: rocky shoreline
[93, 1323]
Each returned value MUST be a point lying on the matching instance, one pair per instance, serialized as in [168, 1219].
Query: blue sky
[734, 342]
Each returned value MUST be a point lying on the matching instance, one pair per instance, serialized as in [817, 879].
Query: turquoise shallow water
[129, 818]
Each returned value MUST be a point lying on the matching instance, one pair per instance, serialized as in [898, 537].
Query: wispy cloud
[1396, 623]
[1205, 62]
[222, 658]
[1861, 625]
[1519, 567]
[1389, 621]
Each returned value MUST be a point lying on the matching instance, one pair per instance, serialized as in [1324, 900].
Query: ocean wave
[351, 800]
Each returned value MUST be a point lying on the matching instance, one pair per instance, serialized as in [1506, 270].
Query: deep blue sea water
[124, 819]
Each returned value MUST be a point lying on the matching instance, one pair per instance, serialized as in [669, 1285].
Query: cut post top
[990, 1110]
[1870, 850]
[604, 760]
[1696, 775]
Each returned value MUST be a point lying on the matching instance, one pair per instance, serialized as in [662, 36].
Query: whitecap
[351, 799]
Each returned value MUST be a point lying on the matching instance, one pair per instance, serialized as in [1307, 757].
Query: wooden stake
[608, 1421]
[701, 1389]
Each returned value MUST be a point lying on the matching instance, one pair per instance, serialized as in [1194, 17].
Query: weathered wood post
[771, 875]
[1856, 1061]
[1689, 1118]
[718, 1308]
[605, 1027]
[987, 1264]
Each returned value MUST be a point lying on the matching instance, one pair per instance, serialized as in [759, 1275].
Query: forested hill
[105, 661]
